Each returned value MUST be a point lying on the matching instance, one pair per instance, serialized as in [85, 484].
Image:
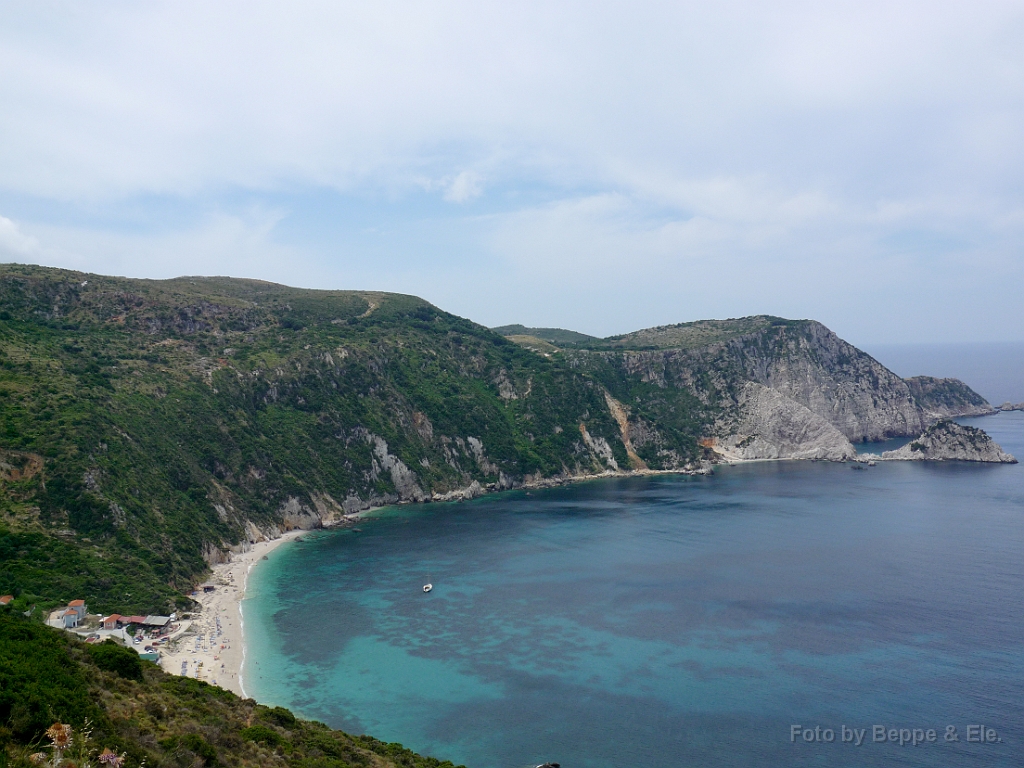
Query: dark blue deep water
[995, 370]
[668, 621]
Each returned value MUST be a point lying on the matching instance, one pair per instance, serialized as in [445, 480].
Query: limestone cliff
[706, 368]
[812, 366]
[949, 441]
[769, 425]
[803, 361]
[946, 398]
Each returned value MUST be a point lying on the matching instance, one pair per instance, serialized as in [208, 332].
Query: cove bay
[511, 385]
[667, 620]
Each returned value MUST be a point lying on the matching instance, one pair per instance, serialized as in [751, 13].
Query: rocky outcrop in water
[949, 441]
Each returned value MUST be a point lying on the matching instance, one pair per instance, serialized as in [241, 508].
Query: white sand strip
[218, 656]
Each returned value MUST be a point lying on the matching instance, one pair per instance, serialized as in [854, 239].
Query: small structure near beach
[68, 617]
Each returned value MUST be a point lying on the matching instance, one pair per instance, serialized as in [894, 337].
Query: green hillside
[700, 333]
[115, 702]
[557, 336]
[692, 335]
[144, 424]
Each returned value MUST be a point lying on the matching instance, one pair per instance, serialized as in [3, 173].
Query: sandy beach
[211, 647]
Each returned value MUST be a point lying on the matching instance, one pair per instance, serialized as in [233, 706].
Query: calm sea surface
[994, 370]
[668, 621]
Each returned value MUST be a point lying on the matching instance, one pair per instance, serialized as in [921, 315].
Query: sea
[995, 370]
[785, 613]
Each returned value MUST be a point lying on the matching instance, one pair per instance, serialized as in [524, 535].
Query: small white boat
[427, 587]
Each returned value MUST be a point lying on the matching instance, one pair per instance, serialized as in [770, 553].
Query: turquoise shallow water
[667, 621]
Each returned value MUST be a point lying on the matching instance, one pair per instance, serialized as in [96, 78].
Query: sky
[601, 166]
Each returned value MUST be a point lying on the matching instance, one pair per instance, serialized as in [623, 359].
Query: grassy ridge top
[230, 302]
[556, 336]
[700, 333]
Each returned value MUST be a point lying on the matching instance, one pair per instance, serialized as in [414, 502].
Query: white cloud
[609, 263]
[220, 244]
[175, 97]
[463, 187]
[15, 244]
[808, 156]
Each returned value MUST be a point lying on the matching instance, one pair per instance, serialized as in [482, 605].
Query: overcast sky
[594, 165]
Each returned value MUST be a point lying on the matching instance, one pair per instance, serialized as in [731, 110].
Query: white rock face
[809, 365]
[599, 447]
[476, 447]
[770, 425]
[858, 395]
[949, 441]
[404, 479]
[471, 491]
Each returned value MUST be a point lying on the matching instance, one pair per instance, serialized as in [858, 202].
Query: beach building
[113, 621]
[78, 606]
[156, 622]
[139, 620]
[6, 599]
[69, 618]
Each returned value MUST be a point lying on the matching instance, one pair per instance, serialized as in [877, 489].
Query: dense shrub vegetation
[115, 658]
[48, 676]
[143, 423]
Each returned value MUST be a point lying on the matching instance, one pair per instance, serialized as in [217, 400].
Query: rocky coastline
[793, 436]
[948, 441]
